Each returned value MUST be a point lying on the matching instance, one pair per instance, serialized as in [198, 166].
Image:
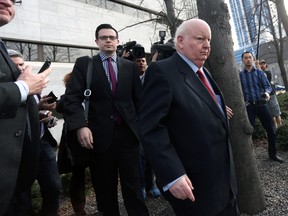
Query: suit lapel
[121, 78]
[199, 89]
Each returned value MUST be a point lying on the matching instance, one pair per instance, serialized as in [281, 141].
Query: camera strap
[87, 92]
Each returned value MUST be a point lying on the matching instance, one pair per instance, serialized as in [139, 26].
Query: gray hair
[14, 53]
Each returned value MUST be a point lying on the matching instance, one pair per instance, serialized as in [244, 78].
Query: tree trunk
[172, 20]
[282, 14]
[222, 65]
[278, 43]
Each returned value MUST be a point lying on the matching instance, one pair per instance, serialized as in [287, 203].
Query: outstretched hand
[36, 82]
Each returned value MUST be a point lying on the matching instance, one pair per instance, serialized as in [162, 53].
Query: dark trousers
[261, 111]
[146, 173]
[49, 180]
[77, 187]
[123, 158]
[187, 208]
[21, 205]
[50, 184]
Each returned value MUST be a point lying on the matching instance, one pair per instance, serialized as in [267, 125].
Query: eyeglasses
[105, 37]
[16, 2]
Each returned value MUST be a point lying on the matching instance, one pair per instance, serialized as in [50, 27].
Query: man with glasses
[19, 124]
[17, 3]
[111, 129]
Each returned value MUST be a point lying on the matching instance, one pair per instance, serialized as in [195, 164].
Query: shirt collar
[190, 63]
[104, 57]
[253, 69]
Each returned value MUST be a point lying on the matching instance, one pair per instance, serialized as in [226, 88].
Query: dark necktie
[2, 45]
[112, 75]
[206, 83]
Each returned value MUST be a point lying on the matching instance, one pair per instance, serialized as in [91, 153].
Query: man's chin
[109, 52]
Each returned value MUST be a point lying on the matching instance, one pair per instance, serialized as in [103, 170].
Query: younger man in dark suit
[111, 129]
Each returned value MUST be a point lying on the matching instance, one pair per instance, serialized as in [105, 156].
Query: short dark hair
[104, 26]
[246, 53]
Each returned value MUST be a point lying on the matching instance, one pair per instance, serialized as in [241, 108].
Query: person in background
[77, 182]
[273, 105]
[184, 128]
[47, 175]
[18, 59]
[111, 130]
[147, 175]
[256, 92]
[19, 124]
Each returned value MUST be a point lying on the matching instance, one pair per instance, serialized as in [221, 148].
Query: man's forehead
[106, 30]
[141, 59]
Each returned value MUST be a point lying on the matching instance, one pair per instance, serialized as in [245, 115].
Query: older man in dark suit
[184, 128]
[19, 124]
[111, 130]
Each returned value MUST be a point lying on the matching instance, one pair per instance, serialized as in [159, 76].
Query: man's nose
[207, 44]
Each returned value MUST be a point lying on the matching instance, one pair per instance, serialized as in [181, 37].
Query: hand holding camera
[266, 96]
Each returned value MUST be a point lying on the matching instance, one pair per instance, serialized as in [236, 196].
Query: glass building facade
[246, 18]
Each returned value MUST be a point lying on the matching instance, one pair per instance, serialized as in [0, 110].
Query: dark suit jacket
[19, 154]
[183, 131]
[103, 105]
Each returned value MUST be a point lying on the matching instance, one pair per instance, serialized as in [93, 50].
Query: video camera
[164, 50]
[135, 50]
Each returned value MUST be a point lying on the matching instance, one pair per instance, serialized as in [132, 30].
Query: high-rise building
[246, 17]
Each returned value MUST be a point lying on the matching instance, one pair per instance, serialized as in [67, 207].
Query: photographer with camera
[131, 51]
[256, 91]
[161, 50]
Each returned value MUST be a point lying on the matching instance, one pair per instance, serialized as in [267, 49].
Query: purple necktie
[112, 75]
[113, 81]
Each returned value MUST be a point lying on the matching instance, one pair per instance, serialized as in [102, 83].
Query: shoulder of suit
[82, 58]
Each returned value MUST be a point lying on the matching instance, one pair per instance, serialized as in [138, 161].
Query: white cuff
[23, 88]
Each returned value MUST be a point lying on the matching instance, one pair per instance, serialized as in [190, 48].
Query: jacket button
[112, 117]
[18, 133]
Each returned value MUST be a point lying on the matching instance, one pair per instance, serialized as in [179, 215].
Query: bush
[283, 103]
[282, 137]
[259, 131]
[36, 199]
